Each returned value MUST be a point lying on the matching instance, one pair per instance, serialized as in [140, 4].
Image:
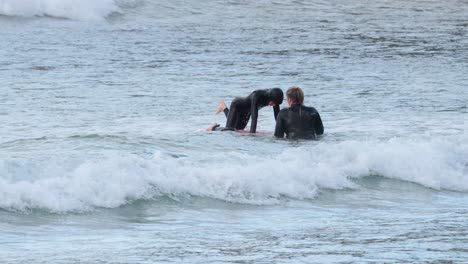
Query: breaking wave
[88, 10]
[116, 179]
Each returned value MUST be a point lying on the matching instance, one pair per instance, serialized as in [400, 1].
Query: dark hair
[276, 95]
[295, 94]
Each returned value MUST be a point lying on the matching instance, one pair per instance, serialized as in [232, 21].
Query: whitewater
[85, 10]
[105, 157]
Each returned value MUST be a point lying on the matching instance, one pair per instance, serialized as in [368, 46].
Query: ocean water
[104, 156]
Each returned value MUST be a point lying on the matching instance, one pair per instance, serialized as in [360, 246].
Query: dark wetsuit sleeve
[254, 113]
[318, 125]
[226, 111]
[276, 110]
[279, 128]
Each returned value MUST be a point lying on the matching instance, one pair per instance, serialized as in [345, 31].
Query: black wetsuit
[298, 122]
[243, 107]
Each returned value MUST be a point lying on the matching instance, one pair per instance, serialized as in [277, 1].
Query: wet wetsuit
[243, 107]
[298, 122]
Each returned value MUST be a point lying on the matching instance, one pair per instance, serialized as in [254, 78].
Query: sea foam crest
[298, 173]
[72, 9]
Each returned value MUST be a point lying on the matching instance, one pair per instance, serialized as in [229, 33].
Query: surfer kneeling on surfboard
[243, 107]
[298, 121]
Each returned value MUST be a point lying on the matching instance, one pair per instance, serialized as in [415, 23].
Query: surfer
[298, 121]
[242, 108]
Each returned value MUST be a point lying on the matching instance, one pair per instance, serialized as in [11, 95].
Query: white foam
[297, 173]
[88, 10]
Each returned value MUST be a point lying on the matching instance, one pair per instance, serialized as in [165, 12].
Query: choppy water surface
[104, 157]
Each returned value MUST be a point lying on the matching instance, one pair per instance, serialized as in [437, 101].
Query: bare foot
[221, 107]
[212, 127]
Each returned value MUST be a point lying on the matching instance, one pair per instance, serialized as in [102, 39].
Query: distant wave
[116, 179]
[87, 10]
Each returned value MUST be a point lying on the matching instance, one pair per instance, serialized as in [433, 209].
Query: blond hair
[295, 94]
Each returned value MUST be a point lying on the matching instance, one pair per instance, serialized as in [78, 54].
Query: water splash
[86, 10]
[116, 179]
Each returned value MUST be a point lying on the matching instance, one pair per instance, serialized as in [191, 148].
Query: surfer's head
[295, 95]
[276, 96]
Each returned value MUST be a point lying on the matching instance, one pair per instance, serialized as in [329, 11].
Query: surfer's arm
[254, 113]
[276, 110]
[318, 125]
